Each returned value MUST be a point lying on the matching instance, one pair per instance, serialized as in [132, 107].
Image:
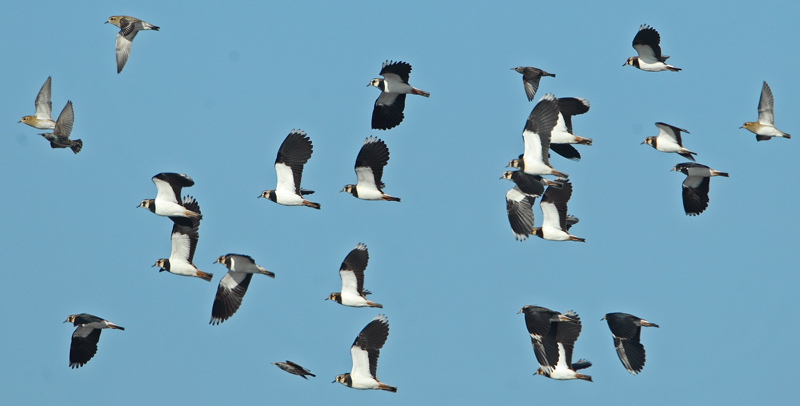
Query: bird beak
[643, 142]
[520, 311]
[105, 22]
[368, 85]
[19, 121]
[342, 190]
[624, 63]
[334, 381]
[739, 127]
[258, 196]
[154, 265]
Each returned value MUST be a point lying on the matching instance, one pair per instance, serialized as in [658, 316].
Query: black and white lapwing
[293, 369]
[646, 43]
[695, 187]
[233, 285]
[555, 221]
[553, 337]
[184, 242]
[764, 128]
[519, 208]
[530, 79]
[388, 110]
[536, 136]
[669, 140]
[365, 352]
[371, 159]
[562, 136]
[294, 152]
[59, 138]
[168, 196]
[351, 273]
[41, 119]
[85, 337]
[128, 28]
[626, 330]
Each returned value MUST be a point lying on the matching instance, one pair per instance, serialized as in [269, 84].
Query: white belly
[169, 209]
[562, 137]
[353, 300]
[287, 198]
[368, 193]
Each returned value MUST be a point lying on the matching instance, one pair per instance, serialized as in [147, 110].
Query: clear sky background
[215, 92]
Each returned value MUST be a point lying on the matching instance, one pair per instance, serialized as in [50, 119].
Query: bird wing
[123, 47]
[43, 105]
[566, 150]
[230, 292]
[538, 127]
[554, 206]
[765, 106]
[83, 346]
[519, 207]
[631, 353]
[646, 43]
[530, 185]
[352, 270]
[294, 152]
[395, 71]
[670, 132]
[371, 159]
[695, 194]
[64, 123]
[184, 237]
[388, 110]
[571, 106]
[531, 82]
[568, 332]
[169, 185]
[366, 348]
[543, 333]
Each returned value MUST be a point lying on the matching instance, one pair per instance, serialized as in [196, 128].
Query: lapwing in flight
[388, 110]
[294, 152]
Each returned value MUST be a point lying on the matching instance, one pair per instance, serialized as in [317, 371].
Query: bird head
[162, 264]
[267, 194]
[348, 189]
[630, 61]
[70, 318]
[648, 141]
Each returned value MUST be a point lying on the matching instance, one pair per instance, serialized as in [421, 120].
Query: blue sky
[214, 93]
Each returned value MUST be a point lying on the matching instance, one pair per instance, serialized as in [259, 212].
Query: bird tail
[373, 304]
[646, 323]
[76, 146]
[414, 90]
[583, 141]
[114, 326]
[786, 135]
[674, 69]
[559, 174]
[390, 198]
[386, 387]
[266, 272]
[311, 204]
[584, 377]
[573, 238]
[148, 26]
[687, 154]
[205, 276]
[718, 173]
